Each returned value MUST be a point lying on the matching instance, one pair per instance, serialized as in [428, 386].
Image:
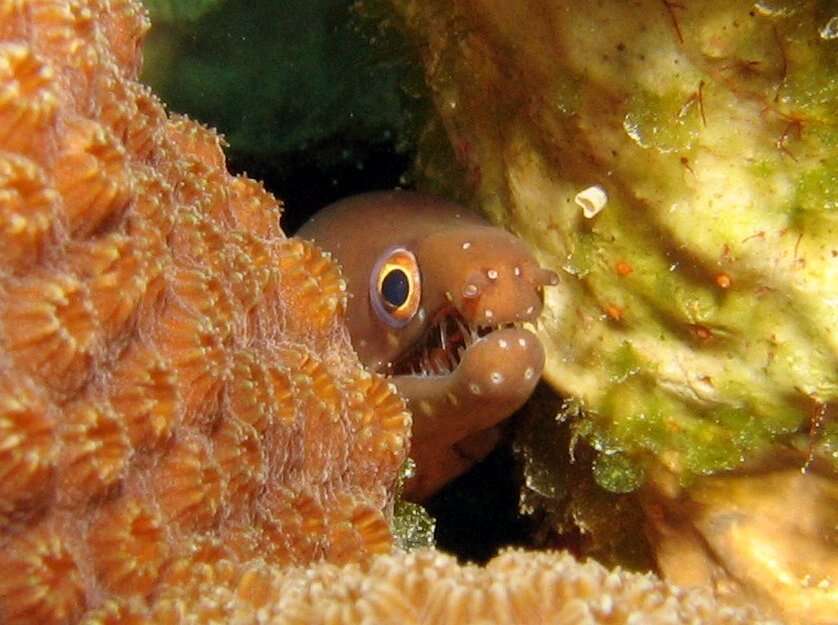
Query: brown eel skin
[437, 301]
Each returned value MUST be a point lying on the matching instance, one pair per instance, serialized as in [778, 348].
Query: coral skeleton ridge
[186, 435]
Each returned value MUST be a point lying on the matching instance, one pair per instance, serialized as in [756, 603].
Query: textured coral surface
[185, 433]
[175, 384]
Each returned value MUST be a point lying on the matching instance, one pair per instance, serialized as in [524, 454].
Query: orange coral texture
[185, 433]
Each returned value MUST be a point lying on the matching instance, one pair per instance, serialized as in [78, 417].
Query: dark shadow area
[477, 514]
[305, 185]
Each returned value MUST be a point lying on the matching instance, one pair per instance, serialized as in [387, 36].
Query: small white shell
[592, 200]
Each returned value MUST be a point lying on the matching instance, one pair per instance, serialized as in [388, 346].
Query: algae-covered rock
[770, 536]
[678, 163]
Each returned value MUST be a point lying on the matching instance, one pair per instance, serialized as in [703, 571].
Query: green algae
[617, 473]
[559, 488]
[413, 528]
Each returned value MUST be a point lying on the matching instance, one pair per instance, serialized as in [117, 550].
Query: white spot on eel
[528, 373]
[466, 245]
[496, 377]
[522, 342]
[489, 313]
[474, 388]
[517, 271]
[493, 275]
[502, 343]
[470, 291]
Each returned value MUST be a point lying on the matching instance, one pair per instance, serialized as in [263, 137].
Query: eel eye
[395, 287]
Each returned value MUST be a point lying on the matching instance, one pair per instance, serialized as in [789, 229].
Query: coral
[186, 435]
[43, 581]
[27, 449]
[159, 360]
[428, 587]
[128, 547]
[94, 450]
[769, 534]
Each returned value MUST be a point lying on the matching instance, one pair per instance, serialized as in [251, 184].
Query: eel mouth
[439, 351]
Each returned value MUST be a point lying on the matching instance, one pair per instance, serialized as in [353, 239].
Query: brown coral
[182, 419]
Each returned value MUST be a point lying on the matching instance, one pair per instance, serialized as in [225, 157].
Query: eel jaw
[441, 348]
[459, 395]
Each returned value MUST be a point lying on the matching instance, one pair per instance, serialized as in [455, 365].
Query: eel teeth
[442, 347]
[469, 333]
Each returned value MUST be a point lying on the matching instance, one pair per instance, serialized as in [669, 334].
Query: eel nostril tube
[543, 277]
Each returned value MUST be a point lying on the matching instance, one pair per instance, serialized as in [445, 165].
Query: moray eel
[438, 297]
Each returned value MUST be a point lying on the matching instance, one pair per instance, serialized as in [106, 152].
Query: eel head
[439, 299]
